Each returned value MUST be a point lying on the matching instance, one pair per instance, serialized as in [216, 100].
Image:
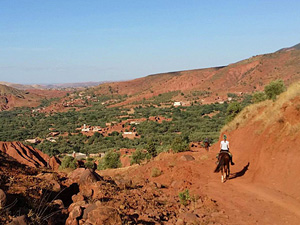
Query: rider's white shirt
[224, 145]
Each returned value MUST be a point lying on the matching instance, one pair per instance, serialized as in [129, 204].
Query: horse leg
[223, 177]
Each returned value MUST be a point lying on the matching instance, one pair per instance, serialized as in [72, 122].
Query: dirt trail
[246, 202]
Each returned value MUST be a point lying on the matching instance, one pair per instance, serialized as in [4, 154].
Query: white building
[85, 128]
[177, 104]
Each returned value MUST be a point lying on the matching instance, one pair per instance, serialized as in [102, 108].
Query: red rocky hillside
[28, 155]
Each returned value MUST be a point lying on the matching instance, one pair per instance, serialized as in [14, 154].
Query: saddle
[225, 151]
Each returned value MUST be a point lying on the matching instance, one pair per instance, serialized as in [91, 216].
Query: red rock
[187, 158]
[104, 215]
[26, 154]
[20, 220]
[75, 174]
[76, 212]
[2, 198]
[54, 163]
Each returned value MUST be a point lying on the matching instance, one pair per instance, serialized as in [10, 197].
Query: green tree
[68, 162]
[232, 110]
[138, 156]
[110, 160]
[274, 88]
[259, 96]
[179, 145]
[151, 148]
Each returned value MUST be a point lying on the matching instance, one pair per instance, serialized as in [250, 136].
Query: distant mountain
[22, 86]
[245, 76]
[72, 85]
[51, 86]
[11, 97]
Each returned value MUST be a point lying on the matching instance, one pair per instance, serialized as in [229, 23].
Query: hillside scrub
[274, 88]
[268, 111]
[111, 160]
[68, 162]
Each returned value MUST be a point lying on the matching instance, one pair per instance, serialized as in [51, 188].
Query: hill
[11, 98]
[245, 76]
[51, 86]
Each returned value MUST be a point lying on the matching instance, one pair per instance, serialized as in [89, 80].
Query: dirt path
[243, 200]
[246, 202]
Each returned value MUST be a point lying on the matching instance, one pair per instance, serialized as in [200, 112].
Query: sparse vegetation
[155, 172]
[138, 156]
[184, 197]
[259, 97]
[274, 88]
[68, 162]
[110, 160]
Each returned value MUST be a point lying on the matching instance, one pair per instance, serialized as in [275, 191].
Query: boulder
[104, 215]
[2, 198]
[87, 177]
[54, 163]
[20, 220]
[189, 218]
[75, 174]
[187, 158]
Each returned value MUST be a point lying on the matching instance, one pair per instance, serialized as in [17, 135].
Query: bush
[274, 88]
[89, 163]
[180, 145]
[138, 156]
[232, 110]
[151, 149]
[155, 172]
[259, 97]
[68, 162]
[110, 160]
[184, 197]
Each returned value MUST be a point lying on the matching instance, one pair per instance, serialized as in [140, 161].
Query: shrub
[110, 160]
[232, 110]
[68, 162]
[138, 156]
[184, 197]
[259, 97]
[151, 149]
[155, 172]
[274, 88]
[89, 163]
[180, 145]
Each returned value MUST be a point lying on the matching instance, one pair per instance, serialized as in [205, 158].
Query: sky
[55, 41]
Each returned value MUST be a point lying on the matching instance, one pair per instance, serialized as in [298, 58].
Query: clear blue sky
[55, 41]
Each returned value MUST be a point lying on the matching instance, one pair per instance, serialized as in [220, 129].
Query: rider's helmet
[225, 137]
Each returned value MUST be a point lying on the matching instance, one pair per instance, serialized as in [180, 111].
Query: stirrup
[232, 163]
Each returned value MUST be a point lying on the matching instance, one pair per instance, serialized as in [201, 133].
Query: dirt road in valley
[248, 202]
[244, 200]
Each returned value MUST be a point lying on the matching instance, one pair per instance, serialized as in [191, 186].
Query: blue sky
[54, 41]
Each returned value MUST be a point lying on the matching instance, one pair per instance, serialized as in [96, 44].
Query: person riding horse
[224, 145]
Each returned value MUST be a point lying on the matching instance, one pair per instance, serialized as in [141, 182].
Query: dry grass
[155, 172]
[266, 112]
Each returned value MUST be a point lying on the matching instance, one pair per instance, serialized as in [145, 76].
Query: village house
[96, 129]
[85, 128]
[33, 141]
[177, 104]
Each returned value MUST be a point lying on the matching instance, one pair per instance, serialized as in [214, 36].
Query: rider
[224, 145]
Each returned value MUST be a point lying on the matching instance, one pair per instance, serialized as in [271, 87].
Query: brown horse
[223, 166]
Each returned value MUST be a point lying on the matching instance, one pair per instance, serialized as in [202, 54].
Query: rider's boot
[232, 163]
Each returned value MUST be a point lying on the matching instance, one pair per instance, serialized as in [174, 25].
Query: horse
[223, 166]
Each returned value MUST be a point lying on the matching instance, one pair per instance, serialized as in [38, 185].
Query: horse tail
[220, 165]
